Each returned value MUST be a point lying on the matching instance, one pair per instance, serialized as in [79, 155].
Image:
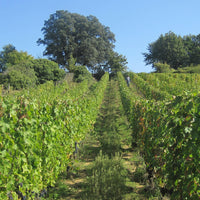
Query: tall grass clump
[108, 178]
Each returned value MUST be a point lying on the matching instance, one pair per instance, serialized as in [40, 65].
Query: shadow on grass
[61, 190]
[88, 152]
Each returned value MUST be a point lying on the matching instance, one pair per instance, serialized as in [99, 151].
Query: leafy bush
[19, 76]
[46, 70]
[162, 68]
[110, 140]
[30, 73]
[10, 56]
[81, 73]
[108, 178]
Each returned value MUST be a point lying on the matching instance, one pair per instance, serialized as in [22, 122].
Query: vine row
[38, 136]
[169, 136]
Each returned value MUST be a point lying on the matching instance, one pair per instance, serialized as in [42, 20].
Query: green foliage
[148, 90]
[71, 64]
[18, 77]
[4, 56]
[174, 50]
[46, 70]
[108, 178]
[81, 73]
[168, 134]
[21, 70]
[10, 56]
[162, 68]
[173, 83]
[110, 140]
[38, 134]
[190, 69]
[110, 124]
[30, 73]
[99, 73]
[116, 63]
[139, 175]
[192, 45]
[168, 49]
[85, 38]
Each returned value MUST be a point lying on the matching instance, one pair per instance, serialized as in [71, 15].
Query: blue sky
[135, 23]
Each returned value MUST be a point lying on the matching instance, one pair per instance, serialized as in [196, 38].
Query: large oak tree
[84, 38]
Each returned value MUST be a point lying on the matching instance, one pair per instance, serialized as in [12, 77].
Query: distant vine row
[174, 84]
[148, 90]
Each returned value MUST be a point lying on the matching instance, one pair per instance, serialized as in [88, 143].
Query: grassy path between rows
[106, 166]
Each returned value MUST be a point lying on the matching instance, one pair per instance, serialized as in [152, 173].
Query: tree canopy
[10, 56]
[30, 73]
[18, 76]
[192, 45]
[20, 70]
[116, 62]
[46, 70]
[168, 49]
[84, 38]
[173, 51]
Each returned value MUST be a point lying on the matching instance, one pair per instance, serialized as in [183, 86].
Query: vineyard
[165, 124]
[158, 115]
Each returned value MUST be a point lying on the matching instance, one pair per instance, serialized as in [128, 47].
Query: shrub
[110, 141]
[46, 70]
[30, 73]
[108, 178]
[162, 68]
[19, 76]
[81, 73]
